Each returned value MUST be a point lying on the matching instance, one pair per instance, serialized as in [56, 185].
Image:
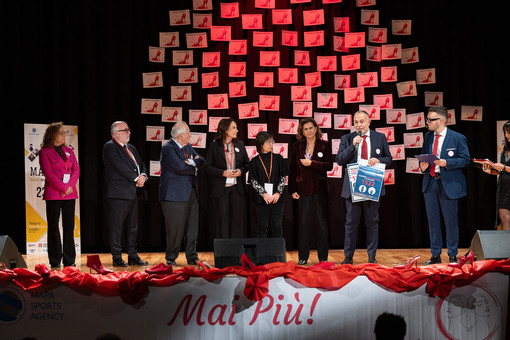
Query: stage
[385, 257]
[272, 301]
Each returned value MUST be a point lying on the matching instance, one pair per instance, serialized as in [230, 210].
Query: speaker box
[491, 244]
[228, 251]
[9, 254]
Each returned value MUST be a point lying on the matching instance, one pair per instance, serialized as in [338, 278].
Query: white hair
[178, 128]
[113, 128]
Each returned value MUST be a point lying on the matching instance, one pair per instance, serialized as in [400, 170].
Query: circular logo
[469, 312]
[12, 306]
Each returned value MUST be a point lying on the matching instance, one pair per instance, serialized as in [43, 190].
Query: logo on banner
[469, 312]
[12, 306]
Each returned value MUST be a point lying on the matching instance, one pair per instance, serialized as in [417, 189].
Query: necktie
[364, 150]
[434, 151]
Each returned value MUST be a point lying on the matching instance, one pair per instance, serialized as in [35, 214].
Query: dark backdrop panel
[81, 62]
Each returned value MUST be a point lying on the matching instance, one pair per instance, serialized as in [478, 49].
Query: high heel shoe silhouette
[469, 257]
[93, 262]
[412, 261]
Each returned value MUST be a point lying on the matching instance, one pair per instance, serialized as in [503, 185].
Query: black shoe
[193, 262]
[171, 263]
[119, 263]
[433, 260]
[136, 261]
[347, 260]
[302, 262]
[371, 259]
[453, 259]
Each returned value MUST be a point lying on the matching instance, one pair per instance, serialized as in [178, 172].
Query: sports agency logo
[12, 306]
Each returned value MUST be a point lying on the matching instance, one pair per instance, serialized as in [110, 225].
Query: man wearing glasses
[443, 182]
[125, 180]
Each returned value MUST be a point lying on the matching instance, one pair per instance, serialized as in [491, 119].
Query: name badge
[66, 178]
[230, 180]
[268, 187]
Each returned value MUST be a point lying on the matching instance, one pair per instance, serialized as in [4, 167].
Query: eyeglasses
[270, 141]
[124, 130]
[431, 119]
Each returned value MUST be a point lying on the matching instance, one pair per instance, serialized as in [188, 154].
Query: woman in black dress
[268, 172]
[503, 170]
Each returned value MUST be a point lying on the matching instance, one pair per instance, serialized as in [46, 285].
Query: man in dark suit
[372, 146]
[443, 182]
[178, 194]
[125, 180]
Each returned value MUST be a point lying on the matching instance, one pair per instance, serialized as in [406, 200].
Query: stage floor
[385, 257]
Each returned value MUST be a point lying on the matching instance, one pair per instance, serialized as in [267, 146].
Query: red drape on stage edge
[132, 287]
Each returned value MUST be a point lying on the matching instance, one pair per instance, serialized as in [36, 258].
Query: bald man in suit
[351, 150]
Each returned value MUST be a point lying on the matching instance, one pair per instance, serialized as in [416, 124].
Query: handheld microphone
[357, 145]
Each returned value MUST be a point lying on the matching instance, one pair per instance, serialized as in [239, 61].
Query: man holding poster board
[366, 148]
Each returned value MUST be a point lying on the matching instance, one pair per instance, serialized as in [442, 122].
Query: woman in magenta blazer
[61, 172]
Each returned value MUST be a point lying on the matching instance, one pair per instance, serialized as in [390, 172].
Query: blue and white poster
[369, 181]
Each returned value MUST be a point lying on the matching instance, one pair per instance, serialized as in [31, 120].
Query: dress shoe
[452, 259]
[193, 262]
[136, 261]
[171, 263]
[119, 263]
[347, 260]
[371, 259]
[302, 262]
[433, 260]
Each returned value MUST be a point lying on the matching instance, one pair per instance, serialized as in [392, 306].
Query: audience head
[389, 326]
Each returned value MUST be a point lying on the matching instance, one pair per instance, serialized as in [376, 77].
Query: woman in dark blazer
[311, 159]
[61, 172]
[227, 163]
[268, 173]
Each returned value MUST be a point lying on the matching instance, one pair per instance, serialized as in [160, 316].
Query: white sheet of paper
[268, 187]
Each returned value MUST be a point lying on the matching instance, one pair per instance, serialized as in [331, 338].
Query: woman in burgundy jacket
[311, 159]
[61, 172]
